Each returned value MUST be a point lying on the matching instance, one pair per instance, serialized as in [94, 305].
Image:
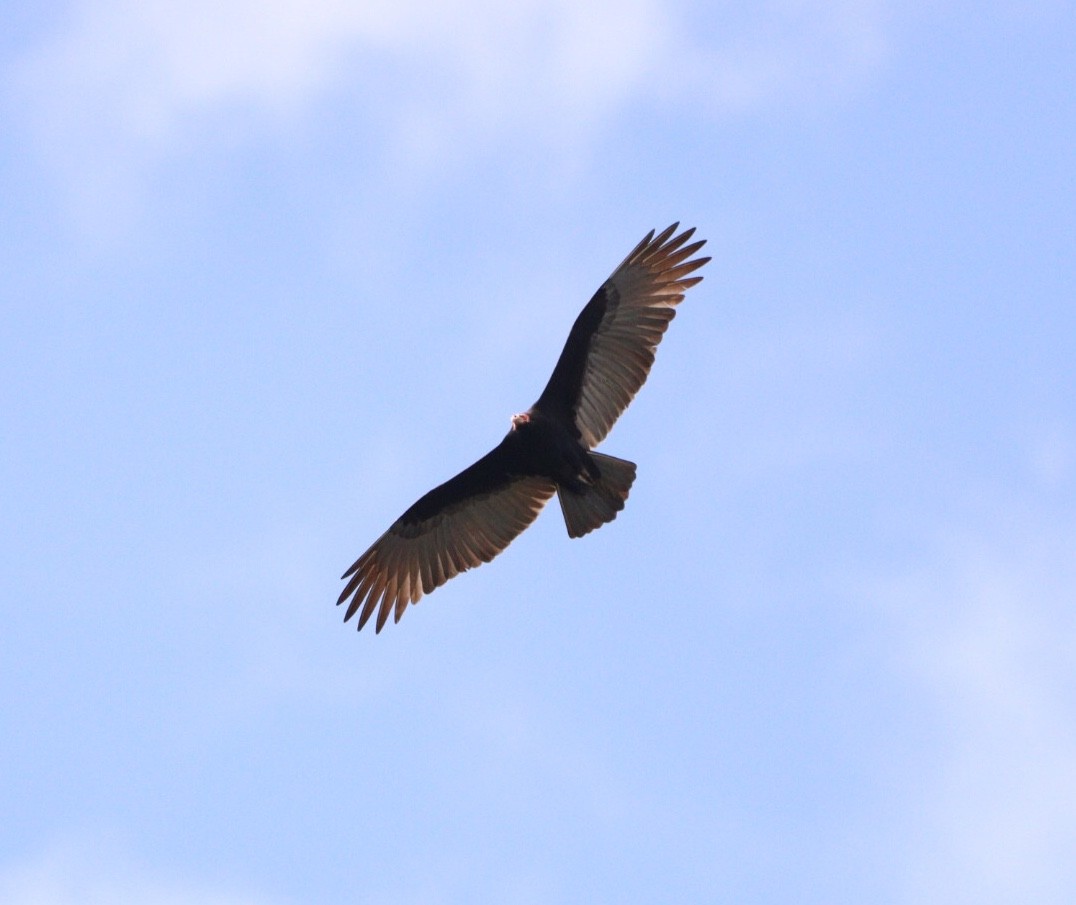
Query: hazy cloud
[93, 873]
[124, 84]
[991, 628]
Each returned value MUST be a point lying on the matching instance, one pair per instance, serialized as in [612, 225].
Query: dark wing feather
[461, 524]
[611, 347]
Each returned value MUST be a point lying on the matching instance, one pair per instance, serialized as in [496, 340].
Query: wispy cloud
[92, 872]
[124, 85]
[990, 629]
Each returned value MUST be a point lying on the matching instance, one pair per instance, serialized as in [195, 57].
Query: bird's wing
[461, 524]
[611, 346]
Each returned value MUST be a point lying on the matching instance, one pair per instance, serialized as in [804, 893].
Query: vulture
[549, 448]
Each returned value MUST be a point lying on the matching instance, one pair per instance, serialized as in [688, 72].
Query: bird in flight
[549, 448]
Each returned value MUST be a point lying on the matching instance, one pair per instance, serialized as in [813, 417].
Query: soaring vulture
[549, 449]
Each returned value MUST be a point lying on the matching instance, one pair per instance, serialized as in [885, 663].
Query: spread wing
[611, 347]
[461, 524]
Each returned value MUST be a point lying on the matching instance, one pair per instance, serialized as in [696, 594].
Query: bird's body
[472, 517]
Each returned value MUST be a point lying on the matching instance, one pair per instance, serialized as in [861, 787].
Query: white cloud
[990, 629]
[92, 873]
[126, 83]
[142, 73]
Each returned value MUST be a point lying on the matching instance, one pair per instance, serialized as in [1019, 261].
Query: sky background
[272, 270]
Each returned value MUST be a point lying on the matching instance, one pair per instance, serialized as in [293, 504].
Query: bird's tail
[598, 502]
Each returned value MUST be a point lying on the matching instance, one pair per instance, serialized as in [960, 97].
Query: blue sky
[273, 270]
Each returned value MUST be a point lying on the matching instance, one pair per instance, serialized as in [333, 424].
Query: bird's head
[520, 419]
